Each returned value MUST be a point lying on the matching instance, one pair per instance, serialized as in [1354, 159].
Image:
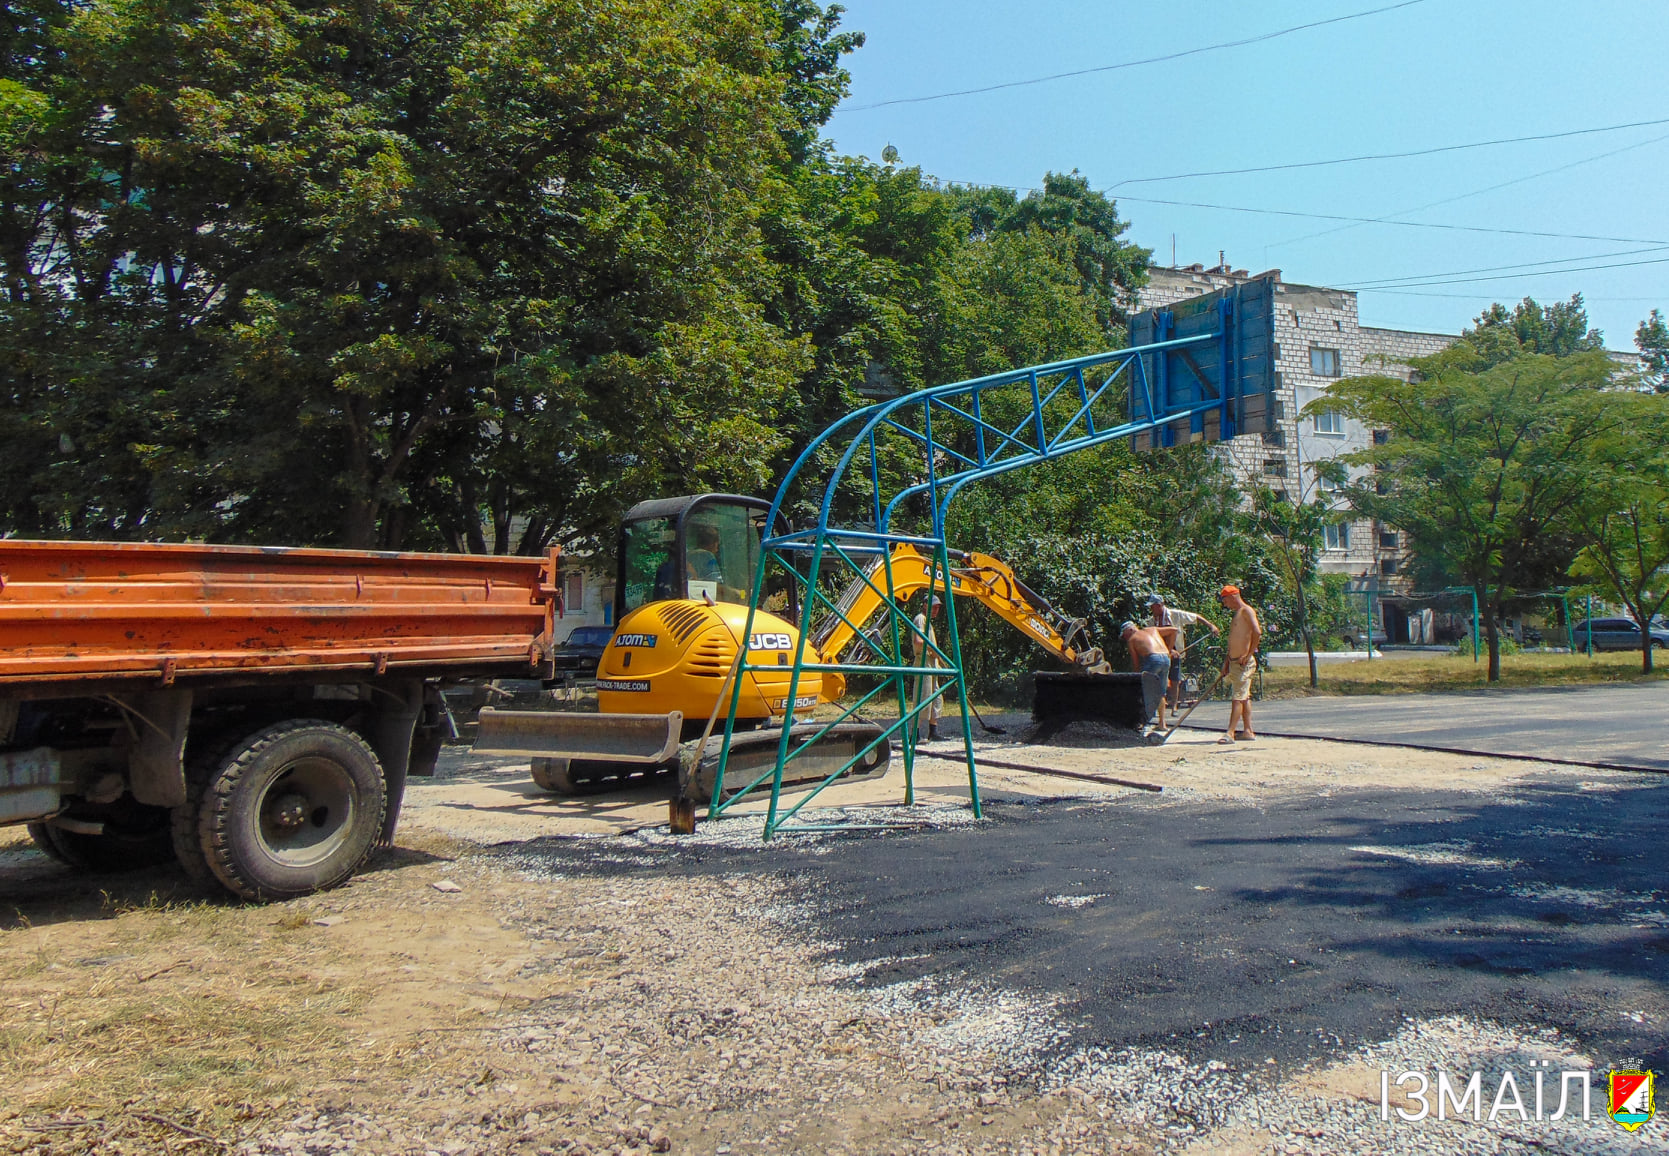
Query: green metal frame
[952, 436]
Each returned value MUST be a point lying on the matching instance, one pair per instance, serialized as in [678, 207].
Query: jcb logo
[769, 642]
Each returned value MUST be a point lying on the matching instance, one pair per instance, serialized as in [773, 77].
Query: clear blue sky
[1435, 73]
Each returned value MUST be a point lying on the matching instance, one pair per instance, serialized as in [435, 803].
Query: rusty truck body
[252, 712]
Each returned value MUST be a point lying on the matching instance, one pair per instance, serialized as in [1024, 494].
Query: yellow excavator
[685, 570]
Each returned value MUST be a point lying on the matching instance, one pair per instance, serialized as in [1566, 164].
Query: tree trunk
[1494, 637]
[1646, 649]
[1309, 641]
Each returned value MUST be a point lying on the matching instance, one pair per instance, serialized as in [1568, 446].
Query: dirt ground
[462, 997]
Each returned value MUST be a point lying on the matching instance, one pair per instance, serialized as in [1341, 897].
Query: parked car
[1615, 634]
[582, 651]
[1354, 635]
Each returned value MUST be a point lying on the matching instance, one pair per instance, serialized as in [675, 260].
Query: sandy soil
[489, 800]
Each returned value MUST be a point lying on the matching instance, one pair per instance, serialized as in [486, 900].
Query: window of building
[1330, 424]
[1327, 485]
[1338, 537]
[1381, 437]
[1282, 496]
[1275, 437]
[1388, 539]
[1275, 467]
[1381, 486]
[573, 594]
[1388, 566]
[1324, 362]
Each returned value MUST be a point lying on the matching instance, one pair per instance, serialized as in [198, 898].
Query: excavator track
[754, 753]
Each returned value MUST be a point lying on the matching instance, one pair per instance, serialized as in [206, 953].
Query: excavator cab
[700, 548]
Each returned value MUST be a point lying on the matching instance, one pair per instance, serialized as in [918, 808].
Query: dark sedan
[583, 650]
[1615, 634]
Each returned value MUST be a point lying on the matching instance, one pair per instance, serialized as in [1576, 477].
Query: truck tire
[44, 843]
[203, 758]
[135, 836]
[555, 776]
[294, 808]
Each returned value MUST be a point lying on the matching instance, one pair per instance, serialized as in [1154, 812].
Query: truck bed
[151, 614]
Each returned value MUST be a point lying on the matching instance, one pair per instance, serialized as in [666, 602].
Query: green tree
[1557, 330]
[1485, 458]
[397, 274]
[1296, 533]
[1625, 521]
[1652, 340]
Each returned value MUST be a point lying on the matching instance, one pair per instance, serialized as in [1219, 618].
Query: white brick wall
[1307, 317]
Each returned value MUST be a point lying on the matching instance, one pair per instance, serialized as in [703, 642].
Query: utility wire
[1520, 276]
[1491, 296]
[1390, 282]
[1389, 156]
[1334, 216]
[1130, 63]
[1388, 218]
[1385, 221]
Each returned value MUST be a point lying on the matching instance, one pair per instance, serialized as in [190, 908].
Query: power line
[1130, 63]
[1388, 282]
[1389, 156]
[1334, 216]
[1388, 218]
[1491, 296]
[1521, 276]
[1384, 221]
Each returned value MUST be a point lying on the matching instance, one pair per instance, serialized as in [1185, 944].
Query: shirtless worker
[1240, 661]
[1163, 615]
[1152, 649]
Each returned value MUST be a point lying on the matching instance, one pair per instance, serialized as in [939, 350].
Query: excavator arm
[987, 580]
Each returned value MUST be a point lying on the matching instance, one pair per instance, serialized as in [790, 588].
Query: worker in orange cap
[1239, 662]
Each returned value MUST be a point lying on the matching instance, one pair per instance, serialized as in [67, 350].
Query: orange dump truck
[251, 712]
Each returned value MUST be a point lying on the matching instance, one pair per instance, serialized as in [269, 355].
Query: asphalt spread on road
[1298, 929]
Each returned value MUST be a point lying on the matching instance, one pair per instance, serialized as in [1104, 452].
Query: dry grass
[1450, 673]
[200, 1012]
[143, 1018]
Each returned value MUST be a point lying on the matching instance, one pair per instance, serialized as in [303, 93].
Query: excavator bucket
[609, 738]
[1109, 698]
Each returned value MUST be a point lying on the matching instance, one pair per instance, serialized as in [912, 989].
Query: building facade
[1319, 338]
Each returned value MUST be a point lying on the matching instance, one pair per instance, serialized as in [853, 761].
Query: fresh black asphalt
[1626, 725]
[1294, 930]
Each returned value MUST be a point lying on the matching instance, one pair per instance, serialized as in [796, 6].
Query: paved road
[1253, 942]
[1621, 725]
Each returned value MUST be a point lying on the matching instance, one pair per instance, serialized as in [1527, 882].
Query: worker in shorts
[1151, 650]
[924, 640]
[1240, 661]
[1162, 615]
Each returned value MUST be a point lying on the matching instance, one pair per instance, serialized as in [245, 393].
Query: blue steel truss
[938, 441]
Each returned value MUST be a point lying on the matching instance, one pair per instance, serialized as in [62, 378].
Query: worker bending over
[1163, 615]
[1151, 650]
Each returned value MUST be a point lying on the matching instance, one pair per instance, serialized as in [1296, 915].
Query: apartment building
[1319, 338]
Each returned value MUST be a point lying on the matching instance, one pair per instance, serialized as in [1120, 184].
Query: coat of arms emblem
[1629, 1099]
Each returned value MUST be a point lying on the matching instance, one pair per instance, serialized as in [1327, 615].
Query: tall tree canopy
[1487, 458]
[1557, 330]
[374, 273]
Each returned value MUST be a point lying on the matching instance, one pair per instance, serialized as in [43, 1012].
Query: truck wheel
[44, 843]
[295, 808]
[555, 776]
[135, 836]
